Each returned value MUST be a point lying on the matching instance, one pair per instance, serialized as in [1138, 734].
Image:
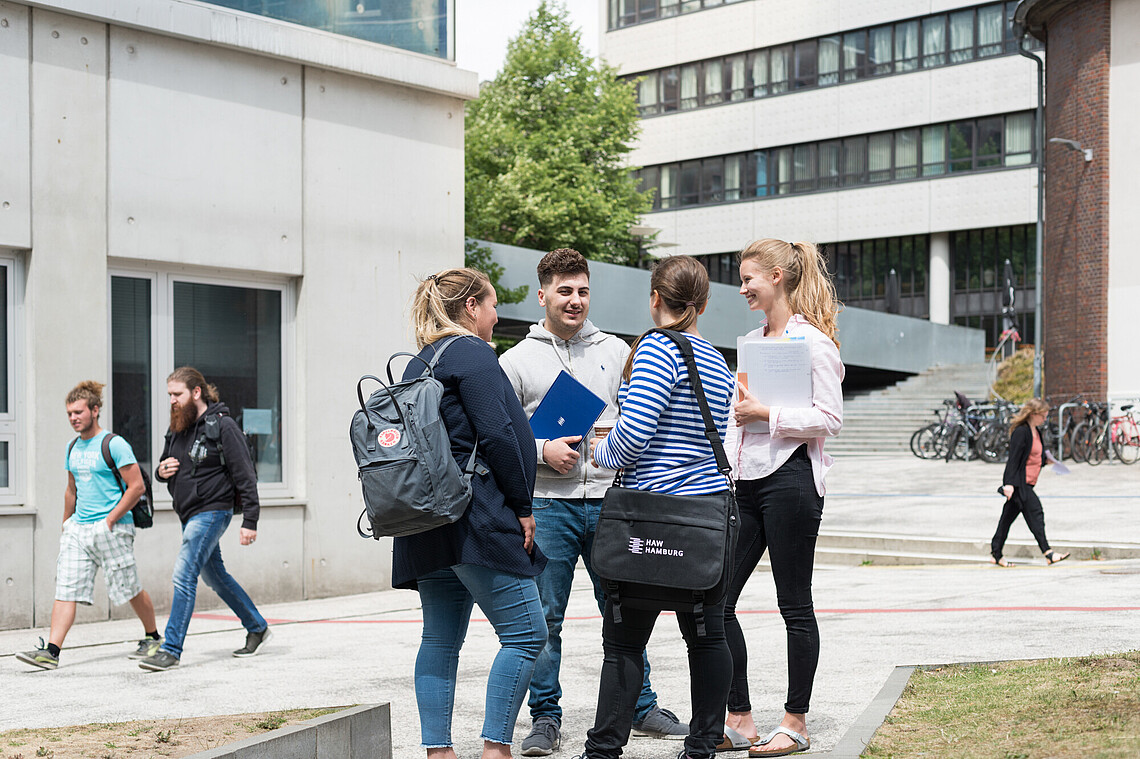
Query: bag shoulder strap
[110, 461]
[711, 433]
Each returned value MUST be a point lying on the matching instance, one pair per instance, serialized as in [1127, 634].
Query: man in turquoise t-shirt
[98, 530]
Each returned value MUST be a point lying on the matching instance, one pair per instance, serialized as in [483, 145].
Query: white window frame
[162, 280]
[10, 422]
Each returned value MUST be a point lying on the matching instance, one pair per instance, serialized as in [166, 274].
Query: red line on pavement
[904, 610]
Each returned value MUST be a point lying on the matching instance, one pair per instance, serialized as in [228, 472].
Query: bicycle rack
[1061, 426]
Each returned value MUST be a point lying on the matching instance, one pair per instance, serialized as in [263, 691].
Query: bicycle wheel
[924, 442]
[1098, 444]
[1127, 443]
[1078, 442]
[992, 445]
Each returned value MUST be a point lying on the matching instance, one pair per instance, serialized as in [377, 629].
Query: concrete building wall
[1123, 348]
[1077, 201]
[153, 144]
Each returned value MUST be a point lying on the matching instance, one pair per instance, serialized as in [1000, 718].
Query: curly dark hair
[561, 261]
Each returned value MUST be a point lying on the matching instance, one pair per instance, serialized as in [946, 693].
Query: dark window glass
[933, 150]
[758, 73]
[806, 64]
[782, 158]
[233, 336]
[670, 90]
[934, 41]
[880, 50]
[780, 59]
[131, 364]
[990, 266]
[974, 272]
[690, 183]
[906, 154]
[921, 254]
[906, 266]
[830, 164]
[649, 181]
[989, 142]
[758, 171]
[961, 146]
[881, 268]
[712, 180]
[879, 158]
[959, 259]
[733, 176]
[628, 13]
[803, 169]
[829, 54]
[854, 55]
[4, 379]
[854, 161]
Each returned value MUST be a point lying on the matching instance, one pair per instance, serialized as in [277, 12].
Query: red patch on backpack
[388, 437]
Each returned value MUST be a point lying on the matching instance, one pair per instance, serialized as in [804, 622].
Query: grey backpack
[410, 479]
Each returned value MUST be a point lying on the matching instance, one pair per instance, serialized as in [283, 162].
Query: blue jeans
[200, 554]
[512, 606]
[565, 530]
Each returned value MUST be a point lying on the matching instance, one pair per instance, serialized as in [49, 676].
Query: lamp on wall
[1074, 145]
[642, 234]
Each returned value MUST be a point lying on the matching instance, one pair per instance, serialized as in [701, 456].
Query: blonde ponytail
[439, 303]
[810, 290]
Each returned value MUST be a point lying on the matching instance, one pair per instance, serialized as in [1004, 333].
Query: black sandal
[1052, 557]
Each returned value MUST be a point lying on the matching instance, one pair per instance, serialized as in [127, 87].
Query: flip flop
[801, 743]
[733, 741]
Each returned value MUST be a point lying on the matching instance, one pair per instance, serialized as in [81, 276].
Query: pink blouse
[754, 455]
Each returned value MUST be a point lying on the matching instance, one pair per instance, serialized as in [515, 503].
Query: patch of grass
[1015, 377]
[1057, 708]
[271, 721]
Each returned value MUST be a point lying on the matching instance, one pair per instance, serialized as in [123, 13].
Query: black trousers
[780, 513]
[1025, 502]
[710, 669]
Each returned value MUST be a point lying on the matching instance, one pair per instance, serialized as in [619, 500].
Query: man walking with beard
[209, 473]
[98, 529]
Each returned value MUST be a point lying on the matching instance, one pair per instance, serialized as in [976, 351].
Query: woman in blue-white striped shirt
[659, 441]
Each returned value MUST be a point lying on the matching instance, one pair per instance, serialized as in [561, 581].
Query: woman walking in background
[488, 556]
[659, 441]
[780, 481]
[1026, 458]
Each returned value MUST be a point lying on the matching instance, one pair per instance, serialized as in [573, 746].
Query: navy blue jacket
[478, 399]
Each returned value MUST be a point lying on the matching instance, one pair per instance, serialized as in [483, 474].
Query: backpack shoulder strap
[711, 433]
[111, 461]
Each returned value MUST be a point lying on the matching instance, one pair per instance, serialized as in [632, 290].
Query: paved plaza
[361, 649]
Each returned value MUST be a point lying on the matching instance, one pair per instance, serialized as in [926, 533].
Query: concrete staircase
[881, 422]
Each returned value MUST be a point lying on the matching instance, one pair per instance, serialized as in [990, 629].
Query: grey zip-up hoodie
[592, 357]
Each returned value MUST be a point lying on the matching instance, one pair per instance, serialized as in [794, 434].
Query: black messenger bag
[659, 551]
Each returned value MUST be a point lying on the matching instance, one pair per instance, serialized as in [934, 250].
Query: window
[649, 181]
[783, 161]
[712, 180]
[758, 164]
[881, 55]
[879, 158]
[962, 36]
[714, 82]
[7, 383]
[1018, 139]
[690, 185]
[991, 22]
[830, 164]
[933, 150]
[854, 161]
[961, 146]
[733, 174]
[806, 64]
[988, 145]
[781, 60]
[803, 160]
[934, 41]
[234, 333]
[906, 46]
[829, 49]
[689, 83]
[758, 70]
[906, 154]
[854, 55]
[670, 8]
[670, 91]
[735, 83]
[647, 94]
[669, 186]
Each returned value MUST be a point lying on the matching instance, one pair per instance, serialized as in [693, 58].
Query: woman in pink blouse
[780, 480]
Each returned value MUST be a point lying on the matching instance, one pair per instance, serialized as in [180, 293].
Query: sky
[483, 27]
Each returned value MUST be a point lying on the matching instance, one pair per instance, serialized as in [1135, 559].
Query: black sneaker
[544, 738]
[660, 723]
[160, 662]
[253, 643]
[41, 657]
[147, 647]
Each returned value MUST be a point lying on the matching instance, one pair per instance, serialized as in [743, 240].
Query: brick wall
[1076, 201]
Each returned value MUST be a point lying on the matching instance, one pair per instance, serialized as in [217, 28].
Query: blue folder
[568, 408]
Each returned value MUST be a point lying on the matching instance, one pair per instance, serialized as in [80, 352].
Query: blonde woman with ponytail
[488, 556]
[780, 480]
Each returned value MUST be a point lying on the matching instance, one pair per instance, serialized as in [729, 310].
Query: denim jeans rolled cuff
[565, 532]
[512, 606]
[200, 555]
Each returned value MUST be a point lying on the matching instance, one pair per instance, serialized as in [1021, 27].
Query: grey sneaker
[160, 662]
[253, 643]
[544, 738]
[147, 647]
[660, 723]
[41, 657]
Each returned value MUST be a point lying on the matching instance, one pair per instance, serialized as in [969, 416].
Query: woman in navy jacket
[1026, 460]
[488, 556]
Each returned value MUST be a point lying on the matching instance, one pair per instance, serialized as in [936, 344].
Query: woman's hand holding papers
[561, 454]
[748, 409]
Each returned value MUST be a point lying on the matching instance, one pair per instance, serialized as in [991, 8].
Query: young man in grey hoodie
[567, 492]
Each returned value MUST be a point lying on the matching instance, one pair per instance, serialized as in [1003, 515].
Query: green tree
[546, 143]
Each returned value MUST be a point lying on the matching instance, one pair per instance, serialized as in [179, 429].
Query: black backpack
[143, 510]
[410, 480]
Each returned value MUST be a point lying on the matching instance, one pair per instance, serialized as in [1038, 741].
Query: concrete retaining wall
[363, 732]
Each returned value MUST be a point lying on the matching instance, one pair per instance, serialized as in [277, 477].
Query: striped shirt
[659, 438]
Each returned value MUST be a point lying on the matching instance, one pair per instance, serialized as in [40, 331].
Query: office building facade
[900, 136]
